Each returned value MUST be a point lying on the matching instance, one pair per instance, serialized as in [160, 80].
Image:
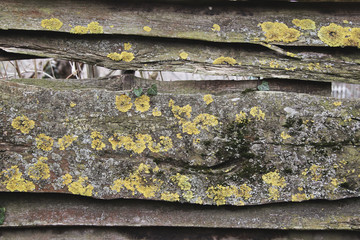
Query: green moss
[2, 215]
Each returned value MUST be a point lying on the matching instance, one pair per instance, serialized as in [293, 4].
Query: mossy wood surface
[36, 210]
[237, 148]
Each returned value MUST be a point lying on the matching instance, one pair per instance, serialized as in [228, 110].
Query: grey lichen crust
[237, 149]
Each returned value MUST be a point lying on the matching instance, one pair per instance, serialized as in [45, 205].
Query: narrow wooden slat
[36, 210]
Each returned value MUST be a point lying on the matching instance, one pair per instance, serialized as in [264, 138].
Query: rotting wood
[236, 148]
[36, 210]
[319, 64]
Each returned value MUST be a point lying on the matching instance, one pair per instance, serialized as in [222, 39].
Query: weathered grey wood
[297, 147]
[163, 54]
[238, 21]
[36, 210]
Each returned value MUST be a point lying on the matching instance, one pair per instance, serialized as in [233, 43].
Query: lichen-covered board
[237, 149]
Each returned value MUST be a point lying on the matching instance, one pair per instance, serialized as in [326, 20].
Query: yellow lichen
[204, 120]
[138, 181]
[257, 113]
[305, 24]
[79, 187]
[44, 142]
[274, 179]
[190, 128]
[180, 112]
[199, 200]
[273, 193]
[172, 197]
[66, 141]
[299, 197]
[51, 24]
[224, 60]
[178, 135]
[216, 27]
[40, 170]
[14, 180]
[96, 143]
[333, 35]
[123, 103]
[23, 124]
[94, 27]
[142, 103]
[184, 55]
[79, 30]
[147, 29]
[279, 32]
[182, 181]
[337, 103]
[208, 99]
[274, 64]
[312, 66]
[156, 112]
[284, 135]
[316, 172]
[127, 46]
[72, 104]
[125, 56]
[241, 117]
[67, 179]
[220, 193]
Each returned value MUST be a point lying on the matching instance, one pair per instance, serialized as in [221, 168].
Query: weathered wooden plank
[154, 233]
[318, 64]
[36, 210]
[238, 149]
[238, 22]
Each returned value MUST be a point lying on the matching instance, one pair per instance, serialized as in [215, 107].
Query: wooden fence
[265, 159]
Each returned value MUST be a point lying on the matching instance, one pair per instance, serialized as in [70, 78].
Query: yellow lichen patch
[115, 56]
[284, 135]
[51, 24]
[139, 181]
[66, 141]
[94, 27]
[79, 187]
[44, 142]
[123, 103]
[188, 195]
[316, 172]
[220, 193]
[274, 179]
[312, 66]
[257, 113]
[164, 145]
[299, 197]
[279, 32]
[305, 24]
[337, 104]
[156, 112]
[204, 120]
[208, 99]
[224, 60]
[241, 117]
[79, 30]
[147, 29]
[178, 135]
[274, 64]
[180, 112]
[333, 35]
[172, 197]
[183, 55]
[127, 46]
[23, 124]
[273, 193]
[216, 27]
[72, 104]
[182, 181]
[14, 180]
[39, 170]
[290, 54]
[125, 56]
[142, 103]
[67, 179]
[96, 143]
[190, 128]
[199, 201]
[116, 141]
